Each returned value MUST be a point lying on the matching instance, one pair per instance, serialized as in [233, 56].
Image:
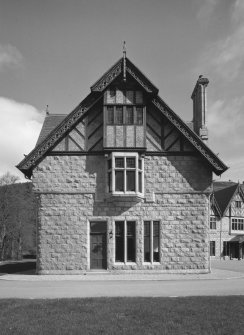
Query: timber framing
[78, 114]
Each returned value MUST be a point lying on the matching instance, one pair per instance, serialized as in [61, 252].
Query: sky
[52, 51]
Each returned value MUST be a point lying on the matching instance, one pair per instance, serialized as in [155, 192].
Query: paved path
[143, 288]
[226, 278]
[219, 282]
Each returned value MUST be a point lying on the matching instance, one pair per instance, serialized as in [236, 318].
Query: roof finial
[47, 111]
[124, 61]
[124, 49]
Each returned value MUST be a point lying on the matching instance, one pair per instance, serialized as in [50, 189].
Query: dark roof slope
[223, 193]
[51, 121]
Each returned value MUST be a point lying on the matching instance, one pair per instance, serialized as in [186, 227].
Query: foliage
[144, 316]
[14, 213]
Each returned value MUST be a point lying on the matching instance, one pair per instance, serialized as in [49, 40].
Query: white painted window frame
[125, 155]
[125, 243]
[151, 241]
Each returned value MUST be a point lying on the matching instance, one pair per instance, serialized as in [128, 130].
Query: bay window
[125, 174]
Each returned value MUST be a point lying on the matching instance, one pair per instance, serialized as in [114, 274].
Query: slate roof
[223, 193]
[47, 142]
[51, 121]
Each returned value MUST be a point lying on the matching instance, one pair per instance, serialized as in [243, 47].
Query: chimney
[199, 97]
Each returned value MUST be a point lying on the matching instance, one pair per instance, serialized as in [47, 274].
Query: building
[122, 182]
[227, 221]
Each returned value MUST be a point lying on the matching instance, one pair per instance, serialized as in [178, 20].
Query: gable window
[125, 174]
[212, 222]
[212, 248]
[125, 241]
[238, 204]
[237, 224]
[151, 241]
[124, 115]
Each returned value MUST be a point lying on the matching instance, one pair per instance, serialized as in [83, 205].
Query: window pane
[119, 241]
[119, 181]
[129, 119]
[109, 164]
[111, 96]
[139, 112]
[156, 241]
[110, 182]
[140, 164]
[110, 115]
[130, 181]
[140, 181]
[119, 115]
[129, 97]
[131, 232]
[139, 97]
[130, 162]
[212, 248]
[119, 162]
[147, 241]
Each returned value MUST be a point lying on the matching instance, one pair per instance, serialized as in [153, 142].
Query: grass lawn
[191, 315]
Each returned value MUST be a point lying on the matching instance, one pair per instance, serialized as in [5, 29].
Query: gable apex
[108, 77]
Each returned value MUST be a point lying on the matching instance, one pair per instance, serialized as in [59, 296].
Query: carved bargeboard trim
[108, 77]
[219, 166]
[63, 128]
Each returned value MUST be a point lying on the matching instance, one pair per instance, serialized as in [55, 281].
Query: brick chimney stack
[199, 97]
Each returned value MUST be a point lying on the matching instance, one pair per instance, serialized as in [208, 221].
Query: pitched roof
[45, 144]
[224, 193]
[51, 121]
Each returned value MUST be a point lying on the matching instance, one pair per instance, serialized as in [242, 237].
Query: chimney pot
[199, 97]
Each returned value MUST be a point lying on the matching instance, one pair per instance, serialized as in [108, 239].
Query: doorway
[98, 245]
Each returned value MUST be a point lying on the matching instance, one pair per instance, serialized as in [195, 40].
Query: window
[212, 222]
[125, 174]
[117, 96]
[212, 248]
[124, 115]
[125, 241]
[238, 204]
[237, 224]
[151, 241]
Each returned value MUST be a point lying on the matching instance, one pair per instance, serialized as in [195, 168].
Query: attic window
[238, 204]
[125, 97]
[125, 174]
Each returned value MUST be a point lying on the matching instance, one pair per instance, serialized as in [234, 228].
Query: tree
[7, 228]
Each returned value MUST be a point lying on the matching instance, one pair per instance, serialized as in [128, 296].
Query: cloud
[226, 124]
[206, 10]
[20, 125]
[9, 56]
[225, 57]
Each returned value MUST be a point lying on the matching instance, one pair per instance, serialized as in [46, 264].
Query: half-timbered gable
[228, 233]
[123, 183]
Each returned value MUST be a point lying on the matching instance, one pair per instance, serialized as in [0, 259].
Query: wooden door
[98, 246]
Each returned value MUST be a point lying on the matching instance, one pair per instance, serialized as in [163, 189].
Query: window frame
[125, 242]
[213, 222]
[212, 248]
[113, 120]
[238, 204]
[151, 241]
[237, 225]
[139, 174]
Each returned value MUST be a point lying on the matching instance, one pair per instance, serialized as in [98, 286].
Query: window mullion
[113, 173]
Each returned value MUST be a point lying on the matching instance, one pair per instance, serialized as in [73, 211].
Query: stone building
[123, 183]
[227, 221]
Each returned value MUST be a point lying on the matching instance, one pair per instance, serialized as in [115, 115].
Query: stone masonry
[72, 192]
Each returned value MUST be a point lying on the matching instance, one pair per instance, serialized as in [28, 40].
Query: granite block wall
[72, 192]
